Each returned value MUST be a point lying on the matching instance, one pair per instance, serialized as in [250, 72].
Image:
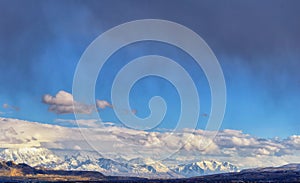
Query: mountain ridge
[89, 161]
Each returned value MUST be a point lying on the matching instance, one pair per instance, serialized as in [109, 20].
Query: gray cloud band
[174, 34]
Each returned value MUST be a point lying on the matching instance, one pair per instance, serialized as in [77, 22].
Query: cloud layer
[234, 146]
[87, 123]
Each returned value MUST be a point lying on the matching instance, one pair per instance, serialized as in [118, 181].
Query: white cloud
[229, 145]
[77, 147]
[64, 103]
[61, 98]
[102, 104]
[87, 123]
[294, 141]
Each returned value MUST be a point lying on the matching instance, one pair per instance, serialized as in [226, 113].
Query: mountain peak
[204, 167]
[33, 156]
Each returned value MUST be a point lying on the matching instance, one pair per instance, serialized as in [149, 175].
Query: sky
[257, 44]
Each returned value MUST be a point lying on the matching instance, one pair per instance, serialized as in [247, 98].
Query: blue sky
[257, 44]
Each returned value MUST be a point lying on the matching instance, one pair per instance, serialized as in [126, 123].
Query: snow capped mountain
[112, 166]
[92, 161]
[79, 161]
[147, 167]
[156, 165]
[136, 167]
[31, 156]
[204, 168]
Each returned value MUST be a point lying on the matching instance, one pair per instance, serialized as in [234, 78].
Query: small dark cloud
[204, 115]
[11, 107]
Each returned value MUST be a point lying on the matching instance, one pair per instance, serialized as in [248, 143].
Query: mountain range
[92, 161]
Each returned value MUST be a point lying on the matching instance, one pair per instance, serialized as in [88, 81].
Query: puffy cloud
[263, 151]
[61, 98]
[240, 141]
[63, 103]
[293, 141]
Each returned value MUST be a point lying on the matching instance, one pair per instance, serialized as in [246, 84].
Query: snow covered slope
[204, 168]
[92, 161]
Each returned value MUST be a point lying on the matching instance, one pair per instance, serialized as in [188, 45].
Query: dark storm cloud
[22, 36]
[32, 30]
[245, 28]
[264, 36]
[251, 30]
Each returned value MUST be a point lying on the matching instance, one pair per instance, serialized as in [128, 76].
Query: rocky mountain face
[10, 168]
[13, 172]
[91, 161]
